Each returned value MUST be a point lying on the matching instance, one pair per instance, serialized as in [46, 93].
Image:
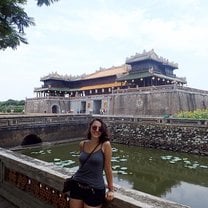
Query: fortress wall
[151, 101]
[157, 103]
[44, 105]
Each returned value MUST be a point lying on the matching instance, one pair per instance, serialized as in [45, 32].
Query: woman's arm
[108, 169]
[81, 145]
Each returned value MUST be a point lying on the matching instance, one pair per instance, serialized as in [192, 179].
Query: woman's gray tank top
[92, 171]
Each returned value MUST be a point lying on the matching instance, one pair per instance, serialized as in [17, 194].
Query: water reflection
[193, 195]
[170, 175]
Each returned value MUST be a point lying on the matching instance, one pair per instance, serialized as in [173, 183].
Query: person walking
[88, 188]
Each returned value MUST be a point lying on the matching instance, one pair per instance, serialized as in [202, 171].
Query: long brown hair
[104, 131]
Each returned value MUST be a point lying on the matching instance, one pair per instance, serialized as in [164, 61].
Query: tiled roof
[91, 87]
[40, 89]
[133, 76]
[150, 55]
[101, 86]
[102, 72]
[117, 71]
[56, 76]
[178, 79]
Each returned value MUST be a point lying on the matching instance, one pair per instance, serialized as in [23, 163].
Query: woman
[89, 188]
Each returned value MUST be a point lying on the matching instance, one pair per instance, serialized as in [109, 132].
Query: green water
[182, 178]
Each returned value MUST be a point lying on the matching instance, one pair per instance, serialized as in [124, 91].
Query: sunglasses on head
[97, 128]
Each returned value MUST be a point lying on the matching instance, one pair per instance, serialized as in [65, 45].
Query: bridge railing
[42, 119]
[159, 88]
[159, 120]
[50, 119]
[31, 183]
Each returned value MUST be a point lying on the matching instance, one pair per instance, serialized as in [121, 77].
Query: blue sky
[77, 37]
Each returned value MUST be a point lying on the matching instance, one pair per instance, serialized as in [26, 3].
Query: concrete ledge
[31, 183]
[133, 198]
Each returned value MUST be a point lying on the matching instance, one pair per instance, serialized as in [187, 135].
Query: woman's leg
[76, 203]
[87, 206]
[95, 198]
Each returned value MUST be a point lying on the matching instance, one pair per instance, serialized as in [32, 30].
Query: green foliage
[46, 2]
[12, 106]
[197, 114]
[14, 20]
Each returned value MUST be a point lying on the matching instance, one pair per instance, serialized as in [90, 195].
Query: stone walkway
[6, 204]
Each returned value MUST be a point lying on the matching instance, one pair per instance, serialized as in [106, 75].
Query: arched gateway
[55, 109]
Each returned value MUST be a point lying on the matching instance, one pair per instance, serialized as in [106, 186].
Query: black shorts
[90, 196]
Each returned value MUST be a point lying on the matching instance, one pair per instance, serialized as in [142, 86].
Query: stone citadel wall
[149, 101]
[45, 105]
[166, 134]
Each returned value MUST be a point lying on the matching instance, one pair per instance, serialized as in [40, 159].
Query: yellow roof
[101, 86]
[118, 70]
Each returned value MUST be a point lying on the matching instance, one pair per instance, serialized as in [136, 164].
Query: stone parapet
[179, 135]
[31, 183]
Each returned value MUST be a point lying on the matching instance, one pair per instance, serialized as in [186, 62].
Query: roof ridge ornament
[150, 55]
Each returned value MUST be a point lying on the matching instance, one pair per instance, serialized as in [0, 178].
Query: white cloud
[77, 37]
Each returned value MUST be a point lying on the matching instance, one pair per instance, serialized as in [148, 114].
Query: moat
[182, 178]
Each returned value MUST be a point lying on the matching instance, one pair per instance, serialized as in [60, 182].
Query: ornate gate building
[144, 85]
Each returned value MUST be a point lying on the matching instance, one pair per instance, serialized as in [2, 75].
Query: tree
[46, 2]
[14, 20]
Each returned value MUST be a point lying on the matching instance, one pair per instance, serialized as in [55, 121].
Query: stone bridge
[29, 129]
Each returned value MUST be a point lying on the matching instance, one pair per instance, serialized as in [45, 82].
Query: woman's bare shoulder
[106, 145]
[81, 144]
